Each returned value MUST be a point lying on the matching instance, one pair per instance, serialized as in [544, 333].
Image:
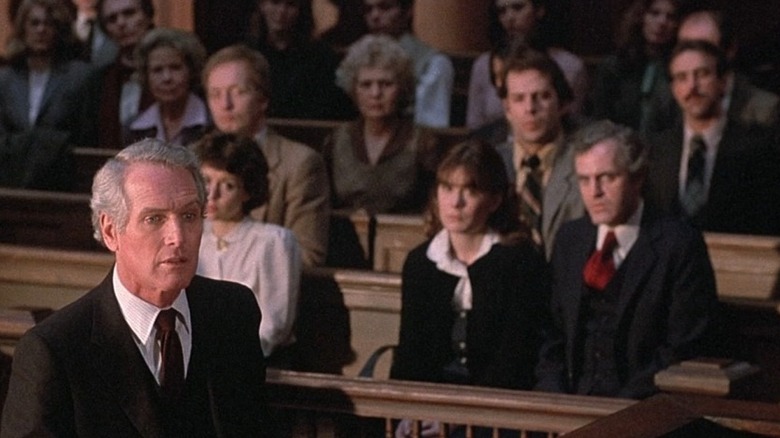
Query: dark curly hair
[240, 156]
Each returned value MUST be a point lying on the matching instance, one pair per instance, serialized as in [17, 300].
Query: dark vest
[599, 373]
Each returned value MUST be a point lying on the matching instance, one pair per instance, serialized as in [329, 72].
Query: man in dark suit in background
[713, 168]
[742, 101]
[633, 292]
[111, 363]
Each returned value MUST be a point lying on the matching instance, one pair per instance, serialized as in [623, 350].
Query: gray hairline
[626, 138]
[108, 187]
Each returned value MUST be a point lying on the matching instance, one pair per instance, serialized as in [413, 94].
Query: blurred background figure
[97, 48]
[631, 87]
[511, 20]
[349, 26]
[41, 97]
[382, 162]
[433, 70]
[302, 69]
[743, 101]
[264, 257]
[116, 94]
[169, 66]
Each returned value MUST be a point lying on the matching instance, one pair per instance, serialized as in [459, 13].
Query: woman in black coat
[475, 295]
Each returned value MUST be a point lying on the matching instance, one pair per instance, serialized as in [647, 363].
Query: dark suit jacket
[37, 155]
[79, 372]
[504, 325]
[744, 186]
[664, 313]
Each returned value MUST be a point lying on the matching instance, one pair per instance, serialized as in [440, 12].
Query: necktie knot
[609, 244]
[600, 267]
[166, 320]
[531, 162]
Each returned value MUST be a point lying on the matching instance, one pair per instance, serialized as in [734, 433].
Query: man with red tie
[633, 291]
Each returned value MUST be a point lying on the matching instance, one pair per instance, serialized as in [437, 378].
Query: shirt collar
[711, 135]
[195, 114]
[626, 234]
[141, 315]
[546, 154]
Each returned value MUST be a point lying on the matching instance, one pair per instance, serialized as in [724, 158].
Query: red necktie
[172, 366]
[600, 266]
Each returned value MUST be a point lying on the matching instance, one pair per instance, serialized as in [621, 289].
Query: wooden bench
[40, 218]
[354, 312]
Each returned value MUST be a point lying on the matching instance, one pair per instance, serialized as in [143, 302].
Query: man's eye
[153, 220]
[190, 216]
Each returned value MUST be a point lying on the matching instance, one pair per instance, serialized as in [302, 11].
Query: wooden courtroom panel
[41, 218]
[395, 236]
[746, 267]
[87, 162]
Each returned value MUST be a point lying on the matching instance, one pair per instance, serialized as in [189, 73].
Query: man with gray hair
[633, 291]
[154, 350]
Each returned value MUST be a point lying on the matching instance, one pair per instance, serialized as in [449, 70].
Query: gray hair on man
[631, 152]
[108, 187]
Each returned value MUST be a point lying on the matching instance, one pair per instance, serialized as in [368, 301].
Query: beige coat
[299, 197]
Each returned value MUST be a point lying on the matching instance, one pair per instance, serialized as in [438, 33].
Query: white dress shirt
[141, 316]
[626, 235]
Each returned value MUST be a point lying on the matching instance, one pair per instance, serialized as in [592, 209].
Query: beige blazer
[299, 195]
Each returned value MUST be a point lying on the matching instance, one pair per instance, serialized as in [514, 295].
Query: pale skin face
[376, 93]
[168, 75]
[464, 210]
[518, 17]
[226, 195]
[280, 15]
[236, 104]
[39, 31]
[610, 194]
[385, 17]
[659, 23]
[125, 22]
[696, 87]
[532, 108]
[157, 252]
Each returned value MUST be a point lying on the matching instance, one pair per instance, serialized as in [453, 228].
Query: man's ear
[109, 231]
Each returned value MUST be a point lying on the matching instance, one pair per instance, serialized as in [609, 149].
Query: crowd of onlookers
[566, 249]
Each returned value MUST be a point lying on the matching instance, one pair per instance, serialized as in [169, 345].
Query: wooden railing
[369, 405]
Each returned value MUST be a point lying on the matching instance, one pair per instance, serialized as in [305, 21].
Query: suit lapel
[272, 150]
[639, 263]
[20, 102]
[563, 180]
[120, 364]
[53, 86]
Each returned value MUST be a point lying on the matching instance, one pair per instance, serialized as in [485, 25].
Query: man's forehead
[229, 72]
[529, 76]
[691, 57]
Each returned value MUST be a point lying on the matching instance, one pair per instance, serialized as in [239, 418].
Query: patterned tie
[172, 359]
[694, 196]
[601, 266]
[530, 190]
